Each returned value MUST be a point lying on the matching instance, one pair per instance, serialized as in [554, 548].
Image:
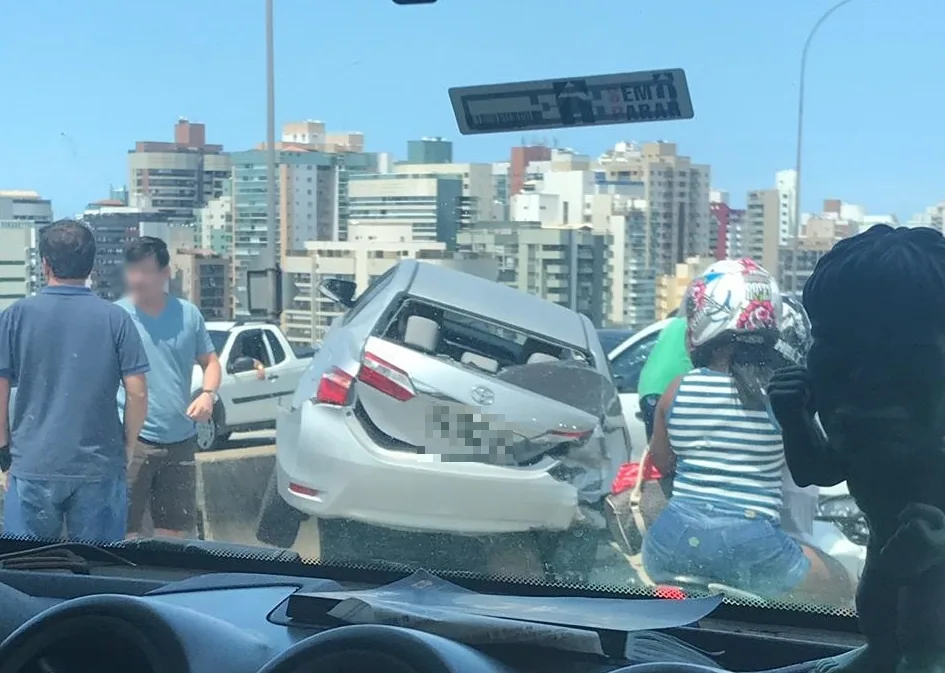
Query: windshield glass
[540, 194]
[218, 338]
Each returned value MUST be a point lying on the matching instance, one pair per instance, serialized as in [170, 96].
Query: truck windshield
[218, 337]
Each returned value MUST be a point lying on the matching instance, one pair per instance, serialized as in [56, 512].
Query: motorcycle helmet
[732, 297]
[795, 332]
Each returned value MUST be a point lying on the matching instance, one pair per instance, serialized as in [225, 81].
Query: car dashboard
[240, 623]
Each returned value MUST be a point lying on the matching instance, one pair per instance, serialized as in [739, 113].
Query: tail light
[334, 387]
[382, 375]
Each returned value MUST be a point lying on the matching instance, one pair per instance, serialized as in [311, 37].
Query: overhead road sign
[633, 97]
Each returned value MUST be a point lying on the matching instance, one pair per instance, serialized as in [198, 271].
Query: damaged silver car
[443, 402]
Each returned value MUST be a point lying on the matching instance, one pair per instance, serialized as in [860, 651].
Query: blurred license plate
[464, 434]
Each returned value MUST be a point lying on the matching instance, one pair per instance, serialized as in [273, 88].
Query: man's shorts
[164, 478]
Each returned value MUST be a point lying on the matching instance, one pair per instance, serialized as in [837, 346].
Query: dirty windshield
[555, 292]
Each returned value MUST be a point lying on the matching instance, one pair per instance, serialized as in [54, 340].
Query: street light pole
[272, 230]
[800, 139]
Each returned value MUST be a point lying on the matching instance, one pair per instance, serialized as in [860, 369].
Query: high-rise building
[114, 226]
[518, 164]
[760, 231]
[786, 184]
[565, 265]
[177, 178]
[22, 215]
[215, 225]
[25, 207]
[677, 194]
[478, 198]
[203, 278]
[671, 288]
[429, 151]
[312, 136]
[500, 189]
[362, 259]
[311, 204]
[421, 207]
[18, 266]
[725, 234]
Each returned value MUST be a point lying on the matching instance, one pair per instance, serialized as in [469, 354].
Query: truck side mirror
[240, 365]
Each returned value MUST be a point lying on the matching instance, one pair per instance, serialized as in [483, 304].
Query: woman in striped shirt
[714, 432]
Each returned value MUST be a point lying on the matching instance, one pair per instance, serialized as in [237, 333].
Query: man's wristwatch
[212, 393]
[5, 458]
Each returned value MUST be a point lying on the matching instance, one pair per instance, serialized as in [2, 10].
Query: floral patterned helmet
[734, 296]
[795, 338]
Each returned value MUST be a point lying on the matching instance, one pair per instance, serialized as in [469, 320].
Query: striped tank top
[725, 455]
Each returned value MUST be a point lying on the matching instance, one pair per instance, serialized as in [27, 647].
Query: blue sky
[83, 80]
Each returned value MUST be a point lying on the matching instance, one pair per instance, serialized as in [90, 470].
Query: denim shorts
[51, 509]
[751, 553]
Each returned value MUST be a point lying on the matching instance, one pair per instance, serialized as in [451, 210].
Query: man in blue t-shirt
[63, 449]
[162, 474]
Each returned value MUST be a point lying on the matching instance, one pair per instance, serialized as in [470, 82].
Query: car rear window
[474, 340]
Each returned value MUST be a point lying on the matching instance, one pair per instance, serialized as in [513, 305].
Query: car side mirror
[339, 291]
[240, 365]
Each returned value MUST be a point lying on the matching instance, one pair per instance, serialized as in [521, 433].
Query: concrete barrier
[231, 485]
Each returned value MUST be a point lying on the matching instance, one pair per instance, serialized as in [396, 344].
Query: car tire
[278, 523]
[212, 433]
[208, 435]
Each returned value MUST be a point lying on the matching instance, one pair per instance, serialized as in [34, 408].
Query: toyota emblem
[482, 395]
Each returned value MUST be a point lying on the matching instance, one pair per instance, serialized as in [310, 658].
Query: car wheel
[278, 522]
[208, 435]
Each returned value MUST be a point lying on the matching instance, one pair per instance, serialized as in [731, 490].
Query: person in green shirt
[668, 360]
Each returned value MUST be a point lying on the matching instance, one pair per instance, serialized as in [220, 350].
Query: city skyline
[69, 137]
[736, 200]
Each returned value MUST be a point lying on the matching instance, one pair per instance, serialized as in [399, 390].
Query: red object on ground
[629, 473]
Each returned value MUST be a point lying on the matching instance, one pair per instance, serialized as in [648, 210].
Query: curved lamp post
[800, 139]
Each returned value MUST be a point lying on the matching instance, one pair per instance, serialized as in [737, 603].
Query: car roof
[501, 303]
[220, 325]
[638, 336]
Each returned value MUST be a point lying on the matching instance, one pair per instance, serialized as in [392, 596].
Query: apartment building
[312, 204]
[478, 200]
[786, 185]
[429, 151]
[677, 192]
[519, 160]
[423, 207]
[203, 278]
[215, 225]
[19, 272]
[114, 226]
[671, 288]
[761, 229]
[22, 214]
[568, 266]
[313, 136]
[25, 206]
[177, 178]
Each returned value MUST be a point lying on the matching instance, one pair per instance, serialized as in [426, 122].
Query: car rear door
[626, 365]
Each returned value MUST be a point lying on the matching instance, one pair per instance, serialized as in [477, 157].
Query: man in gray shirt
[63, 449]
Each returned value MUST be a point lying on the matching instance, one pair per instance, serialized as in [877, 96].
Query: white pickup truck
[246, 400]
